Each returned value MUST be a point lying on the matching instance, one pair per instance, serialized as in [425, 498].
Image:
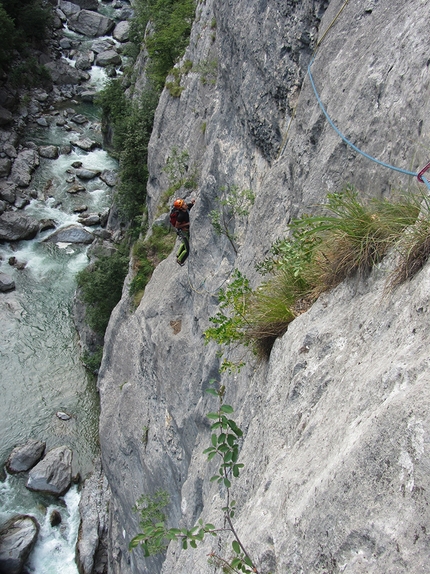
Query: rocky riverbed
[87, 44]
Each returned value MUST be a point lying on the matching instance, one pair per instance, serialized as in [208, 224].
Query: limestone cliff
[336, 424]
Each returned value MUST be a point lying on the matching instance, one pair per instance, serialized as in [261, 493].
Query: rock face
[53, 474]
[6, 283]
[24, 457]
[23, 167]
[336, 423]
[17, 538]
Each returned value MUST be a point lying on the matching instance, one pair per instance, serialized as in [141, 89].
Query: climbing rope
[419, 175]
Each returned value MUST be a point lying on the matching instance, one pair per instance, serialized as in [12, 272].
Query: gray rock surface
[6, 283]
[17, 539]
[24, 457]
[90, 23]
[49, 151]
[91, 548]
[24, 165]
[108, 58]
[63, 73]
[84, 173]
[71, 234]
[121, 31]
[336, 424]
[53, 474]
[15, 225]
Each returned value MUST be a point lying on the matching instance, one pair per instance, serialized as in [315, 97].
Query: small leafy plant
[234, 204]
[155, 535]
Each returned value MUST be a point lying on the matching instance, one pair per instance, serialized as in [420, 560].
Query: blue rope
[354, 147]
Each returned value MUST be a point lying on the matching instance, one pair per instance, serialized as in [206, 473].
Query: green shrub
[101, 285]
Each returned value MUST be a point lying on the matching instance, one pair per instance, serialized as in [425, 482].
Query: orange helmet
[179, 203]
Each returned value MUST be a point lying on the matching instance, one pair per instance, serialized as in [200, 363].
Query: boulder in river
[71, 234]
[53, 474]
[63, 73]
[109, 176]
[91, 24]
[84, 173]
[24, 457]
[23, 167]
[6, 283]
[122, 31]
[49, 151]
[108, 58]
[15, 226]
[86, 144]
[17, 539]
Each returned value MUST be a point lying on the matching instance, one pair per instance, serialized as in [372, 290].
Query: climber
[182, 226]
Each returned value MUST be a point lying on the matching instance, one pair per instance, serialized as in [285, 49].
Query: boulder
[10, 150]
[122, 31]
[90, 220]
[53, 474]
[79, 119]
[8, 191]
[91, 23]
[24, 457]
[15, 226]
[108, 58]
[5, 166]
[109, 177]
[86, 144]
[17, 539]
[84, 61]
[76, 188]
[63, 73]
[71, 234]
[55, 518]
[49, 151]
[102, 44]
[88, 95]
[84, 173]
[6, 283]
[23, 167]
[69, 8]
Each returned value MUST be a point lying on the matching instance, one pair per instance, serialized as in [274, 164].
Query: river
[40, 368]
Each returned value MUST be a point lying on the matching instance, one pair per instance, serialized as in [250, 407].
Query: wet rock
[90, 220]
[6, 283]
[46, 224]
[102, 45]
[15, 226]
[86, 144]
[88, 95]
[69, 8]
[49, 151]
[71, 234]
[108, 58]
[80, 209]
[80, 119]
[76, 188]
[91, 23]
[13, 262]
[63, 416]
[24, 457]
[109, 177]
[3, 206]
[84, 61]
[63, 73]
[86, 174]
[23, 167]
[17, 539]
[122, 31]
[42, 122]
[21, 200]
[53, 474]
[55, 518]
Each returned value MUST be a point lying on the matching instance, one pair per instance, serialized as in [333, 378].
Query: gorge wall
[336, 424]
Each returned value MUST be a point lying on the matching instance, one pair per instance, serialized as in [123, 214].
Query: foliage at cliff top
[24, 24]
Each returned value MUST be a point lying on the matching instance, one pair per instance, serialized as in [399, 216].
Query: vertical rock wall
[335, 436]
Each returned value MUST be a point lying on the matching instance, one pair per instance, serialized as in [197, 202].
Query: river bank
[56, 178]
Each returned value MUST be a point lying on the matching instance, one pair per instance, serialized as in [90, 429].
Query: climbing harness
[419, 175]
